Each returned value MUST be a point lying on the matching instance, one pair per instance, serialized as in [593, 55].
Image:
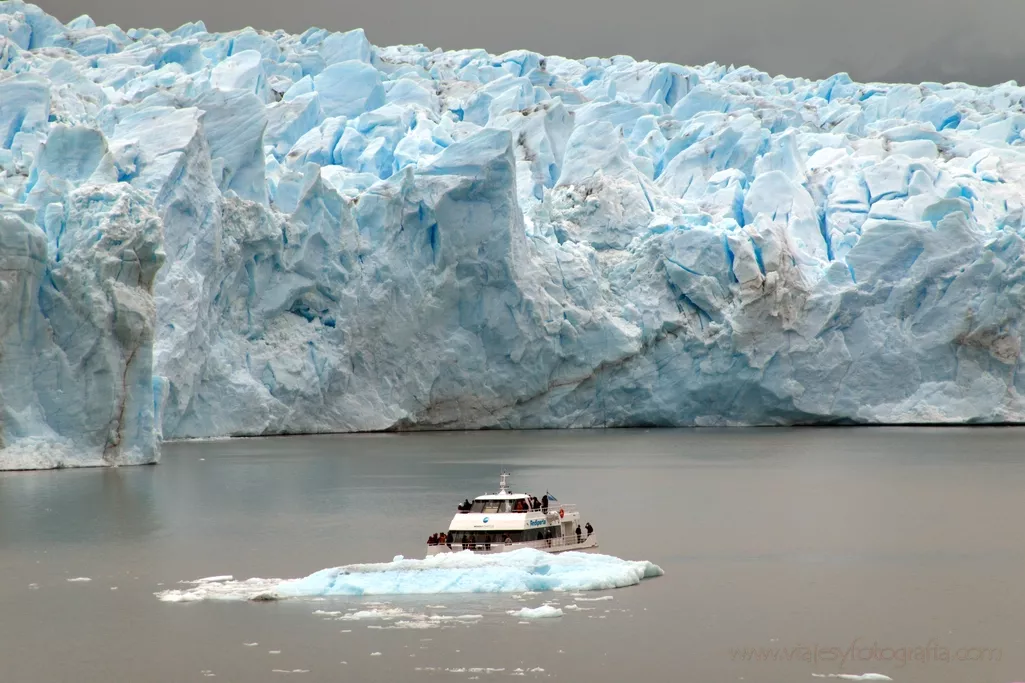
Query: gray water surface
[820, 550]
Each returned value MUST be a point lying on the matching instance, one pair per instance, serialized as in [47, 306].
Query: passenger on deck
[508, 540]
[579, 539]
[473, 541]
[519, 506]
[548, 536]
[590, 529]
[432, 539]
[544, 503]
[465, 540]
[449, 539]
[442, 540]
[487, 541]
[465, 507]
[535, 504]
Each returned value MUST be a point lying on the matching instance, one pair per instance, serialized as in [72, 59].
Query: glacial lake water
[787, 553]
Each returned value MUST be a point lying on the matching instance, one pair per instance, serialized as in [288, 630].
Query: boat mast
[503, 483]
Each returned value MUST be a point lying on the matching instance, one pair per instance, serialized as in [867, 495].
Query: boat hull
[589, 545]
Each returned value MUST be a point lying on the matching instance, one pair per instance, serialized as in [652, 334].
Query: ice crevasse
[212, 234]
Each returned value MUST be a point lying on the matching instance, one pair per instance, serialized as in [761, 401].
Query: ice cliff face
[260, 233]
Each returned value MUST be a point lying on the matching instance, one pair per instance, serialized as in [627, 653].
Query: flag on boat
[551, 497]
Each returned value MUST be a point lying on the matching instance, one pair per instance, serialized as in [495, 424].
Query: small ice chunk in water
[250, 644]
[542, 612]
[386, 613]
[79, 579]
[274, 652]
[212, 579]
[375, 654]
[856, 677]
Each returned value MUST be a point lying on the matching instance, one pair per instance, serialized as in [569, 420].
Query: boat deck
[551, 545]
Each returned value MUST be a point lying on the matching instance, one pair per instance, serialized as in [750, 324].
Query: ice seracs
[322, 235]
[76, 325]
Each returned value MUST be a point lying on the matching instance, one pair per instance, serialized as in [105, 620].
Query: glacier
[517, 571]
[253, 233]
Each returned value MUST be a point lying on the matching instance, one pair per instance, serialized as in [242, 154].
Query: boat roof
[503, 496]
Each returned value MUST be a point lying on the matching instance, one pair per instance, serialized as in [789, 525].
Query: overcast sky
[978, 41]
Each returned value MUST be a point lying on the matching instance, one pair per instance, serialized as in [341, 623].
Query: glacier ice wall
[340, 237]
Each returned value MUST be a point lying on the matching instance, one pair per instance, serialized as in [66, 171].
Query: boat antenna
[504, 482]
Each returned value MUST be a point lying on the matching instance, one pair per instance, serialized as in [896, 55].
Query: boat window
[492, 505]
[478, 506]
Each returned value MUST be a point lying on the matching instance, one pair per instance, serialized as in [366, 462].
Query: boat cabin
[501, 504]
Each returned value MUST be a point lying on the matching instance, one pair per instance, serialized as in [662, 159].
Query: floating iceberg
[542, 612]
[463, 572]
[215, 234]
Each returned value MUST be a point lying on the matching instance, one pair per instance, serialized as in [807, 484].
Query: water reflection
[77, 506]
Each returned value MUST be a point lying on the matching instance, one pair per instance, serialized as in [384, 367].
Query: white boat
[505, 521]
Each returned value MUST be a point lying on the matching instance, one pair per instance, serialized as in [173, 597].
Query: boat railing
[557, 542]
[497, 545]
[552, 508]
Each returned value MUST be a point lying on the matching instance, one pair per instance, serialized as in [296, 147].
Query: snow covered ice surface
[463, 572]
[207, 235]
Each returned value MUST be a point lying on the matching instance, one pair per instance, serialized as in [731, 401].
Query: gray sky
[898, 40]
